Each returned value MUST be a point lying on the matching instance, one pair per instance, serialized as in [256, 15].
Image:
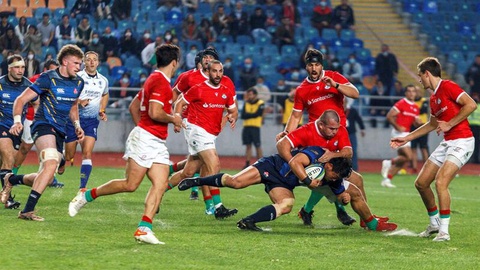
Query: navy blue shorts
[89, 126]
[251, 135]
[42, 130]
[271, 178]
[16, 140]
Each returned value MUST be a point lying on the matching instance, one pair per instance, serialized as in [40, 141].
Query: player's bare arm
[347, 89]
[18, 106]
[292, 124]
[103, 105]
[232, 116]
[346, 152]
[134, 109]
[298, 164]
[284, 149]
[392, 119]
[156, 112]
[75, 118]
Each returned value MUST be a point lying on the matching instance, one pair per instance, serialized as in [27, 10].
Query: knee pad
[49, 154]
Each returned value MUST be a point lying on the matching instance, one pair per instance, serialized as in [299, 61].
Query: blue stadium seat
[59, 12]
[455, 56]
[117, 72]
[310, 32]
[266, 69]
[430, 6]
[463, 66]
[412, 6]
[263, 40]
[137, 71]
[174, 17]
[343, 53]
[204, 8]
[141, 27]
[225, 39]
[132, 62]
[252, 49]
[12, 20]
[102, 24]
[347, 35]
[329, 34]
[337, 43]
[124, 25]
[103, 69]
[465, 28]
[39, 13]
[197, 43]
[155, 16]
[363, 55]
[161, 28]
[288, 50]
[48, 50]
[318, 42]
[356, 43]
[244, 39]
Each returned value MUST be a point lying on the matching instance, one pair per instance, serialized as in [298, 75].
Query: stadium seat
[412, 6]
[266, 69]
[244, 39]
[137, 71]
[19, 4]
[59, 12]
[197, 43]
[70, 4]
[161, 28]
[204, 8]
[102, 24]
[363, 55]
[337, 43]
[224, 39]
[251, 49]
[103, 69]
[232, 48]
[155, 16]
[329, 34]
[343, 53]
[132, 62]
[25, 11]
[174, 17]
[55, 4]
[12, 20]
[430, 6]
[318, 42]
[142, 26]
[347, 35]
[39, 13]
[263, 40]
[123, 25]
[37, 4]
[356, 43]
[455, 56]
[48, 50]
[288, 50]
[117, 72]
[465, 28]
[310, 32]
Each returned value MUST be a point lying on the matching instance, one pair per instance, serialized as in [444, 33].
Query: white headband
[17, 63]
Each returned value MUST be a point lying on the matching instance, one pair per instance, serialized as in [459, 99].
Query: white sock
[444, 222]
[435, 220]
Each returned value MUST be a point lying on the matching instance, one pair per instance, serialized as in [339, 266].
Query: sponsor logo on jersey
[6, 95]
[60, 91]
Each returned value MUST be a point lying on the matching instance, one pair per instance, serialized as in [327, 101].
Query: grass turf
[101, 235]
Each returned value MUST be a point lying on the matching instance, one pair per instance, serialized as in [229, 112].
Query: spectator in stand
[353, 119]
[290, 11]
[352, 70]
[21, 29]
[221, 21]
[473, 76]
[168, 37]
[4, 64]
[258, 22]
[113, 60]
[10, 42]
[229, 69]
[80, 9]
[207, 33]
[248, 74]
[65, 33]
[281, 88]
[398, 90]
[273, 12]
[322, 16]
[143, 42]
[284, 34]
[263, 90]
[191, 5]
[190, 57]
[380, 106]
[386, 68]
[32, 65]
[97, 46]
[109, 41]
[4, 24]
[148, 53]
[102, 9]
[33, 41]
[48, 59]
[343, 17]
[190, 31]
[121, 9]
[124, 96]
[84, 33]
[239, 21]
[128, 44]
[168, 5]
[46, 30]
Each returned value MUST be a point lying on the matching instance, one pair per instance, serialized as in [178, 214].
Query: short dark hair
[329, 114]
[166, 53]
[432, 65]
[342, 166]
[49, 63]
[253, 90]
[313, 55]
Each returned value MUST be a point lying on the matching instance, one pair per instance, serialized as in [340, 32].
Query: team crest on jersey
[438, 101]
[318, 87]
[205, 105]
[335, 143]
[327, 86]
[224, 96]
[6, 95]
[4, 133]
[60, 90]
[266, 174]
[216, 94]
[75, 91]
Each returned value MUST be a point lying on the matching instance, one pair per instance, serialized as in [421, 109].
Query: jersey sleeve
[182, 84]
[344, 140]
[339, 78]
[42, 84]
[454, 91]
[158, 93]
[297, 137]
[313, 153]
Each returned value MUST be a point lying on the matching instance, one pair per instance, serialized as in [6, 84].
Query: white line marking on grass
[402, 232]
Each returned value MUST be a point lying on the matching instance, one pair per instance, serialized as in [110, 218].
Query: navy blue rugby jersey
[9, 91]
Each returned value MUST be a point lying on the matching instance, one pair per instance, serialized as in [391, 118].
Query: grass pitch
[101, 235]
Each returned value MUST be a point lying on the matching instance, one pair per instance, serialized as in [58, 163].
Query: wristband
[17, 119]
[307, 181]
[337, 85]
[76, 124]
[102, 111]
[179, 114]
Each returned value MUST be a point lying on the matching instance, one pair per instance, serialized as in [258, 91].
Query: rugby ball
[315, 171]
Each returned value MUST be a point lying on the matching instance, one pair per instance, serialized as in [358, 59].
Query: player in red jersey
[320, 91]
[450, 107]
[206, 103]
[211, 195]
[333, 138]
[146, 150]
[401, 116]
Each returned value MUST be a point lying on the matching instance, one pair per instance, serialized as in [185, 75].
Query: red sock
[147, 219]
[215, 192]
[433, 209]
[175, 167]
[369, 219]
[205, 198]
[93, 192]
[390, 176]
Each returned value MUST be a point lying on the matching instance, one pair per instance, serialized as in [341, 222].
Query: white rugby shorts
[145, 148]
[460, 149]
[198, 139]
[27, 132]
[395, 133]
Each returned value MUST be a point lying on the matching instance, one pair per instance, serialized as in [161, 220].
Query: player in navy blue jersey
[58, 91]
[11, 86]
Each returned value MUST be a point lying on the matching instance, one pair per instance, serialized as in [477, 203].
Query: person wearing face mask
[386, 68]
[229, 68]
[32, 41]
[168, 37]
[352, 70]
[97, 46]
[32, 65]
[128, 44]
[322, 16]
[143, 42]
[248, 74]
[190, 57]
